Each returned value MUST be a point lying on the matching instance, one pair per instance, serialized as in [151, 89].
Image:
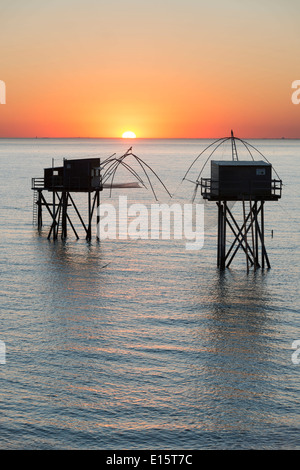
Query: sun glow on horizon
[128, 135]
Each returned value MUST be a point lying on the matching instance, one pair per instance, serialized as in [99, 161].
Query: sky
[162, 69]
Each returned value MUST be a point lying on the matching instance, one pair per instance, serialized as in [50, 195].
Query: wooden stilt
[221, 254]
[252, 234]
[256, 234]
[53, 214]
[263, 248]
[64, 214]
[245, 235]
[223, 236]
[90, 213]
[98, 214]
[219, 235]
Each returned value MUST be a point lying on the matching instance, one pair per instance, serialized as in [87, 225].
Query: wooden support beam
[98, 213]
[247, 235]
[239, 237]
[78, 213]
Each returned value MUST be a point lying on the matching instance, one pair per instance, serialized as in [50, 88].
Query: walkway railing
[37, 183]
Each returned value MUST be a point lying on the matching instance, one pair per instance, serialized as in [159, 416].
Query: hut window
[95, 171]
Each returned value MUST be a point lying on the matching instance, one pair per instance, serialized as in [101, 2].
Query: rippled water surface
[142, 344]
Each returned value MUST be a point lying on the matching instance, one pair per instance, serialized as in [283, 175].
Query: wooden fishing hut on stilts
[248, 182]
[75, 176]
[85, 175]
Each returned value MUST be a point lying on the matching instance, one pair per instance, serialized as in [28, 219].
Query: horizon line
[146, 138]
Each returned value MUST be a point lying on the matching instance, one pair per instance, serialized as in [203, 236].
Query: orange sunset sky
[167, 68]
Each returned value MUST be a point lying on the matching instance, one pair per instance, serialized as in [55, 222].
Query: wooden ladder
[35, 207]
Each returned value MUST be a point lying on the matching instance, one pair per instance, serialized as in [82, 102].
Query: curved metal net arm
[213, 147]
[111, 164]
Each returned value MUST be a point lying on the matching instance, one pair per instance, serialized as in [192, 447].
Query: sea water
[142, 344]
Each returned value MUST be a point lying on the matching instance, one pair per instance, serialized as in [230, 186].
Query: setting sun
[129, 135]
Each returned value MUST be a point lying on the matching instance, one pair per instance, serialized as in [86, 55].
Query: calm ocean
[142, 344]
